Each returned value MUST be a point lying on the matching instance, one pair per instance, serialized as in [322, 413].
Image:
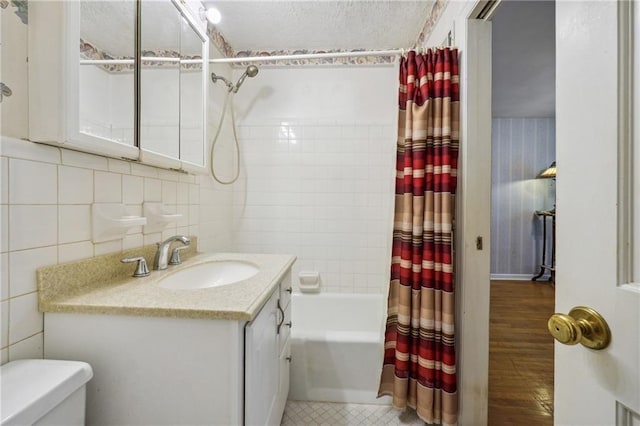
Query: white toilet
[43, 392]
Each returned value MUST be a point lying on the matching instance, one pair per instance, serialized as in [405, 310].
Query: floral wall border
[22, 9]
[89, 51]
[218, 39]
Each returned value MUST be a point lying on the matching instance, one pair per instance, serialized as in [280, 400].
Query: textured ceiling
[524, 59]
[265, 25]
[109, 25]
[321, 25]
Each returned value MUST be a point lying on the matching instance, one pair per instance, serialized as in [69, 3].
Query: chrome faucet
[161, 260]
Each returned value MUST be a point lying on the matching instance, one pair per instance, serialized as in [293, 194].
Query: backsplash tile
[23, 268]
[74, 223]
[75, 185]
[29, 348]
[4, 181]
[32, 226]
[55, 189]
[4, 324]
[4, 276]
[24, 318]
[107, 187]
[25, 190]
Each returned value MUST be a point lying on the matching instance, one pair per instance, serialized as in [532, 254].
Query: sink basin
[210, 274]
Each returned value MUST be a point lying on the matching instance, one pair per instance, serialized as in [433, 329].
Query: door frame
[474, 217]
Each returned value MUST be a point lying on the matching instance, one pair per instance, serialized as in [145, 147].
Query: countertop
[144, 297]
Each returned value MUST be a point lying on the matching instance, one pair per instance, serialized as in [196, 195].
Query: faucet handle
[141, 269]
[175, 255]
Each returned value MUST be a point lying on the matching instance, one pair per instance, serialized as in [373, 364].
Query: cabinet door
[160, 80]
[262, 366]
[81, 75]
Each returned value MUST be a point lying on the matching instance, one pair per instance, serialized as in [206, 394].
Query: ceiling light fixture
[212, 15]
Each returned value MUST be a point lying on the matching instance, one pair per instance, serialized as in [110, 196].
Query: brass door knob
[583, 325]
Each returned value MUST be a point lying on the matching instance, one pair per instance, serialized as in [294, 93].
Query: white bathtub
[336, 347]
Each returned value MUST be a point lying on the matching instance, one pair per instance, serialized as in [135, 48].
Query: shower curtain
[419, 368]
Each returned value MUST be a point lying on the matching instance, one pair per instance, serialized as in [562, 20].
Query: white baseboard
[513, 277]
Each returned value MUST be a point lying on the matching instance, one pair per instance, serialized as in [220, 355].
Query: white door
[595, 219]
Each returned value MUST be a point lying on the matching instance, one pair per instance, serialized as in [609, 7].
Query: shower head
[251, 71]
[215, 78]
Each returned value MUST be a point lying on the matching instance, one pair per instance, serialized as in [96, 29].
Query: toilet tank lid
[30, 388]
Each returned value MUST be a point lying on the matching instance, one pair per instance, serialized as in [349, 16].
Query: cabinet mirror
[192, 94]
[160, 78]
[120, 78]
[106, 88]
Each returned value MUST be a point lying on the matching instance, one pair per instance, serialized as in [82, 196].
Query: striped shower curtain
[419, 367]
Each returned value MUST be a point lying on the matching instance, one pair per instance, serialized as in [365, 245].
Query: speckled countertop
[75, 288]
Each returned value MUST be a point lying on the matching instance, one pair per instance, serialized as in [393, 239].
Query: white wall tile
[194, 214]
[169, 175]
[132, 241]
[4, 276]
[24, 318]
[119, 166]
[24, 263]
[4, 356]
[32, 182]
[107, 187]
[144, 171]
[74, 223]
[183, 193]
[75, 251]
[4, 228]
[4, 324]
[169, 192]
[132, 189]
[152, 238]
[107, 247]
[152, 190]
[18, 148]
[33, 226]
[4, 180]
[31, 348]
[75, 185]
[81, 159]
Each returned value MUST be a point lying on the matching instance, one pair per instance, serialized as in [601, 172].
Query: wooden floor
[520, 354]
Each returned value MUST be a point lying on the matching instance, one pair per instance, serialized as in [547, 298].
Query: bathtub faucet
[161, 260]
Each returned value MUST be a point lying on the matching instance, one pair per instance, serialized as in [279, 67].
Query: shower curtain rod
[309, 56]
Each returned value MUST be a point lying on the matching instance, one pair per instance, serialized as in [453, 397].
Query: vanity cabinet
[170, 371]
[120, 78]
[267, 360]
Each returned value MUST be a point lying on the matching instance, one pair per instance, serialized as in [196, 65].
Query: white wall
[318, 157]
[521, 148]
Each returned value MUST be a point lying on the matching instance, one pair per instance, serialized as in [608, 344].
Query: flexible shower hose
[227, 103]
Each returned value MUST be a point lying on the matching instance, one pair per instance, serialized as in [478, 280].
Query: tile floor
[309, 413]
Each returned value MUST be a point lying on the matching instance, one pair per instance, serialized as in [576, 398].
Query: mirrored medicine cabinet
[120, 78]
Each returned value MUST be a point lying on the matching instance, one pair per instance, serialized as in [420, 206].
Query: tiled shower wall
[323, 193]
[318, 157]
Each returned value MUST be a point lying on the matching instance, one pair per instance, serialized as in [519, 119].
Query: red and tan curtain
[419, 368]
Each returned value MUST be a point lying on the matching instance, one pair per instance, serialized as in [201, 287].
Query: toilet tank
[43, 392]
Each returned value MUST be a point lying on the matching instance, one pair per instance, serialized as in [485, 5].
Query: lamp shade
[548, 173]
